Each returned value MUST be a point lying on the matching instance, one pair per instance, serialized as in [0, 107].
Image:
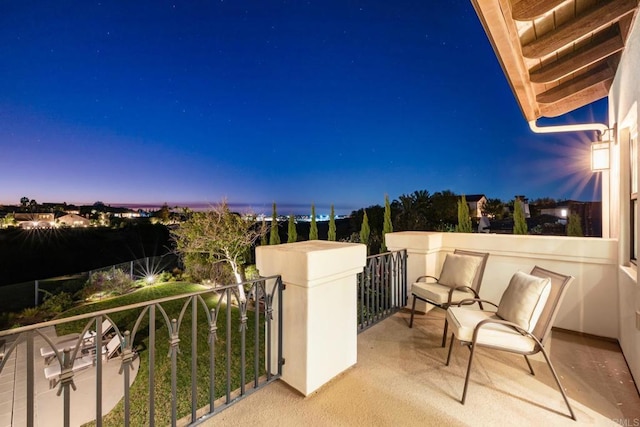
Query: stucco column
[319, 307]
[423, 253]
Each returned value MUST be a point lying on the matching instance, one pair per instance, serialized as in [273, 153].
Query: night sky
[293, 102]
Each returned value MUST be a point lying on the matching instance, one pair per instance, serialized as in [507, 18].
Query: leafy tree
[164, 214]
[412, 210]
[519, 221]
[464, 221]
[331, 236]
[24, 201]
[313, 230]
[33, 205]
[274, 236]
[442, 213]
[574, 226]
[217, 235]
[494, 208]
[387, 226]
[292, 233]
[365, 231]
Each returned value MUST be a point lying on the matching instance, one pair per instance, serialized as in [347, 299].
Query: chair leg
[444, 334]
[450, 349]
[555, 376]
[413, 309]
[529, 363]
[466, 380]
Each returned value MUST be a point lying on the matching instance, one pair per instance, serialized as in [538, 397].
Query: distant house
[35, 220]
[74, 220]
[476, 204]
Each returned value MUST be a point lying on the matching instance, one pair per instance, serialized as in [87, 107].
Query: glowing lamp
[600, 156]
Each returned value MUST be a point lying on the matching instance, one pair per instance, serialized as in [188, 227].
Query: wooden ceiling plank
[578, 60]
[574, 86]
[576, 100]
[528, 10]
[594, 20]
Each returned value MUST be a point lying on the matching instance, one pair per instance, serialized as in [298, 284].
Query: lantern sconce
[600, 156]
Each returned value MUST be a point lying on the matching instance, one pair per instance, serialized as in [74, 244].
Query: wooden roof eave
[505, 41]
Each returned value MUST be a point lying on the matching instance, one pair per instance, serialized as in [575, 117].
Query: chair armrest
[427, 277]
[463, 288]
[470, 301]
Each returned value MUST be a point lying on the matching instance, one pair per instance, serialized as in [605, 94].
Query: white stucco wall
[592, 299]
[624, 96]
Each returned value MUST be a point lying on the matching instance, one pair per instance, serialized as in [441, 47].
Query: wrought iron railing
[382, 288]
[222, 337]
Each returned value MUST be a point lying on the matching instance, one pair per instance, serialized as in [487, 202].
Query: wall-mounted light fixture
[600, 156]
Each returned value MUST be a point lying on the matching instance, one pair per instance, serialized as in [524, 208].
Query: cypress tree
[574, 228]
[313, 231]
[464, 222]
[332, 226]
[292, 233]
[263, 237]
[365, 231]
[519, 222]
[274, 237]
[387, 227]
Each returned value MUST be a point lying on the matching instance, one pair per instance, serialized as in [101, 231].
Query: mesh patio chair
[521, 324]
[460, 278]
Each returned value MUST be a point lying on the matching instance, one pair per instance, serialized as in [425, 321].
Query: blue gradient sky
[259, 101]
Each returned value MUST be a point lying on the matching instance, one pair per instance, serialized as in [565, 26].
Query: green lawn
[139, 390]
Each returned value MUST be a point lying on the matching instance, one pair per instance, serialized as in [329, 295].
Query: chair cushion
[463, 321]
[438, 294]
[459, 270]
[524, 299]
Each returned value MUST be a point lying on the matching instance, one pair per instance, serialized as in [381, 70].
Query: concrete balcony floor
[401, 379]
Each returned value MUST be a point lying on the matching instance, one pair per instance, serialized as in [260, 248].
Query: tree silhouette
[313, 230]
[331, 236]
[274, 236]
[292, 233]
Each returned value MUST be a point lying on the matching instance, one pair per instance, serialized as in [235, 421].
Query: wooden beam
[578, 60]
[528, 10]
[577, 85]
[577, 100]
[596, 19]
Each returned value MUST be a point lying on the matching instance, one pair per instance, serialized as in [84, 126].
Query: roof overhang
[558, 55]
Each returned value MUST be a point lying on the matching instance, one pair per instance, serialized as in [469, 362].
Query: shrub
[57, 303]
[114, 281]
[574, 228]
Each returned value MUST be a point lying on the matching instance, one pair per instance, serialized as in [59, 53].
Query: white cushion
[437, 293]
[459, 270]
[463, 321]
[524, 299]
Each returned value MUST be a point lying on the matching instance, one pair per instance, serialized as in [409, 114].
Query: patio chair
[86, 341]
[73, 340]
[52, 373]
[521, 324]
[460, 278]
[112, 347]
